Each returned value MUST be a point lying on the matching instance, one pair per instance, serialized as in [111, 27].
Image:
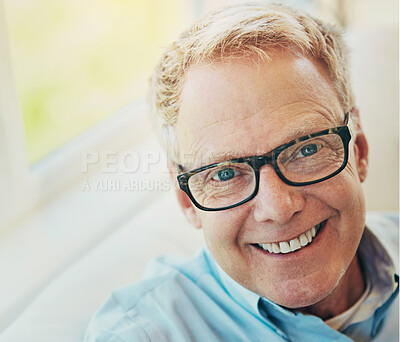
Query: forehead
[242, 108]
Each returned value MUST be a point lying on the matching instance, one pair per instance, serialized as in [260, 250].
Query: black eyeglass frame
[256, 162]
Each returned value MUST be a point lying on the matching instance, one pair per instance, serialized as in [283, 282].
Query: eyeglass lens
[227, 184]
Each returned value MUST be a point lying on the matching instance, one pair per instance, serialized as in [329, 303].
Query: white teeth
[284, 246]
[267, 247]
[313, 231]
[292, 245]
[303, 240]
[275, 248]
[295, 244]
[308, 235]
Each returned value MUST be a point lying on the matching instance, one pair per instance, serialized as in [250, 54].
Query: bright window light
[76, 62]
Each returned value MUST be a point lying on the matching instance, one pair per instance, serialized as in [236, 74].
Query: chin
[294, 302]
[301, 294]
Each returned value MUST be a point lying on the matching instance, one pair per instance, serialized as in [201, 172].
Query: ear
[184, 201]
[360, 146]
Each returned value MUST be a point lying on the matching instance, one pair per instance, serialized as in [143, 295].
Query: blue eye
[225, 174]
[309, 150]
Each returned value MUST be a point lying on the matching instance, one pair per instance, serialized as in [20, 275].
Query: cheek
[222, 230]
[344, 196]
[218, 229]
[351, 193]
[343, 192]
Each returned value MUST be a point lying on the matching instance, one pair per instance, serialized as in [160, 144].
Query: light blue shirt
[180, 301]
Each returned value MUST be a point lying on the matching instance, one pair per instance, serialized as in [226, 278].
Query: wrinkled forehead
[241, 108]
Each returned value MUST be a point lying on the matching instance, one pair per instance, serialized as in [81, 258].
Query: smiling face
[239, 109]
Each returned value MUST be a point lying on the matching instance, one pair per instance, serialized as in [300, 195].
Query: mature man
[255, 108]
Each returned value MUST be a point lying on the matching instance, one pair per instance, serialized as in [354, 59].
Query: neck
[346, 294]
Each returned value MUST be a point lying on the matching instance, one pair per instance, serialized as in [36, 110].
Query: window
[76, 62]
[68, 66]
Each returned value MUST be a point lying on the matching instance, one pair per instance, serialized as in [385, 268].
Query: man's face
[242, 109]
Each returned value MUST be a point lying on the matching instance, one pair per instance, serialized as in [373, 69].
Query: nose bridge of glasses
[259, 161]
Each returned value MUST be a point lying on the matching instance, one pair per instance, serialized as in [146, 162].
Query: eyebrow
[299, 132]
[208, 158]
[294, 133]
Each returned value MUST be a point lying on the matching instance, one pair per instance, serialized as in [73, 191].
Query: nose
[276, 201]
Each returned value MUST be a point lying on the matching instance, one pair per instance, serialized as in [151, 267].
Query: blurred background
[72, 95]
[75, 63]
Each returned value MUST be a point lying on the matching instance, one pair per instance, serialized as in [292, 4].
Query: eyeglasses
[307, 160]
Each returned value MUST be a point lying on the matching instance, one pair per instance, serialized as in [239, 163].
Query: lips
[292, 245]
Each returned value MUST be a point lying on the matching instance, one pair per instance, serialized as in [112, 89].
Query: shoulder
[146, 310]
[112, 324]
[387, 221]
[385, 227]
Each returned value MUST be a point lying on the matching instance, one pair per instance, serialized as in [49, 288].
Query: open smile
[295, 244]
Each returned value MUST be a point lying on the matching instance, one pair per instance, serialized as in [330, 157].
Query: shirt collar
[244, 297]
[377, 265]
